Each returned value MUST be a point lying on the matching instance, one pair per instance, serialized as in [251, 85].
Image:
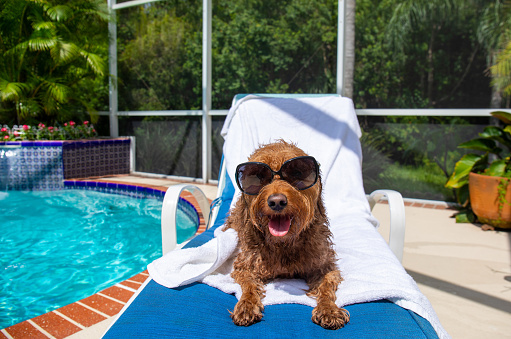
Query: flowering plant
[70, 131]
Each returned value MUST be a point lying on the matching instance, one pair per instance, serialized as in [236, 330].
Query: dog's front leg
[327, 314]
[249, 308]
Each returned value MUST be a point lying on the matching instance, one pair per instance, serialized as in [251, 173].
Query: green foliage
[52, 58]
[286, 46]
[417, 54]
[410, 146]
[151, 57]
[501, 70]
[409, 54]
[488, 143]
[69, 131]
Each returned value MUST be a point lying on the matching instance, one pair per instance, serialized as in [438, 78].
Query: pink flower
[6, 137]
[3, 129]
[85, 123]
[25, 127]
[72, 123]
[50, 129]
[16, 134]
[41, 125]
[65, 124]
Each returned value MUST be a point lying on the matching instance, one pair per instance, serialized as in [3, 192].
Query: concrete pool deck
[464, 271]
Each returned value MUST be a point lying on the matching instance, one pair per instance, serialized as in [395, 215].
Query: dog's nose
[277, 202]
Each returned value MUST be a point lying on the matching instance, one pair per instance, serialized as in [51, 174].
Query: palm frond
[40, 44]
[95, 61]
[63, 52]
[56, 91]
[410, 15]
[44, 25]
[501, 70]
[59, 12]
[12, 91]
[96, 8]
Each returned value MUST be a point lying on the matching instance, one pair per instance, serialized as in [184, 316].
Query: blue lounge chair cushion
[201, 311]
[198, 310]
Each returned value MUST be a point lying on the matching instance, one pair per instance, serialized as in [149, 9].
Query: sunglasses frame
[279, 173]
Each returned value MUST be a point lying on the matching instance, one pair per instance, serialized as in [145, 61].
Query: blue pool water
[57, 247]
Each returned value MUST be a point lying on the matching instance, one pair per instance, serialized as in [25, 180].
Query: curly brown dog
[283, 233]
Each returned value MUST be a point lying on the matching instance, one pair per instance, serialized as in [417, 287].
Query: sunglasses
[300, 172]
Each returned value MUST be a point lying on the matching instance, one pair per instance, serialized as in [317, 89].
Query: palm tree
[491, 23]
[349, 62]
[501, 70]
[494, 33]
[48, 50]
[428, 17]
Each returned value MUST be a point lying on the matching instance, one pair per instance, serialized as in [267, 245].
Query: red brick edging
[76, 317]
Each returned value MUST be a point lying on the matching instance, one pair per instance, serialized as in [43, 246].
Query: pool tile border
[115, 187]
[75, 317]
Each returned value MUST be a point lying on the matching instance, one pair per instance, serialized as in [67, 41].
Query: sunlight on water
[57, 247]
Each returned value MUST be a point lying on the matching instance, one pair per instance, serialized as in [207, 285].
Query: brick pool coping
[75, 317]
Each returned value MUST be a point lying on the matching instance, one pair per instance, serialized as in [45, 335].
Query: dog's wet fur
[284, 233]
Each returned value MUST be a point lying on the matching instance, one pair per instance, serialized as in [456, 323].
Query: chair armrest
[397, 218]
[169, 212]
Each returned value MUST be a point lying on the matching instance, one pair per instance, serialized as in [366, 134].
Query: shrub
[70, 131]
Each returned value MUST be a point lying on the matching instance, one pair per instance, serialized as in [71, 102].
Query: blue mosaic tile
[31, 168]
[40, 165]
[113, 188]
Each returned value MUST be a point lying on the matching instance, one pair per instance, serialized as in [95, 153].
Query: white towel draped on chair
[326, 128]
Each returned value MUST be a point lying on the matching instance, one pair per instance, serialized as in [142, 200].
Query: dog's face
[282, 209]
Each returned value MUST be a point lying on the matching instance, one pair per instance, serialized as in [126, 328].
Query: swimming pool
[57, 247]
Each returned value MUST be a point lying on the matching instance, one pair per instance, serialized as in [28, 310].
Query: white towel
[326, 128]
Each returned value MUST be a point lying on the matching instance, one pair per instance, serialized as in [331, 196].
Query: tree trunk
[349, 40]
[431, 66]
[496, 95]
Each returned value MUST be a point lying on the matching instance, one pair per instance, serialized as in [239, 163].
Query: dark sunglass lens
[301, 172]
[252, 177]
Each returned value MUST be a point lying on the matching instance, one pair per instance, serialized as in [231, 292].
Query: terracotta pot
[484, 200]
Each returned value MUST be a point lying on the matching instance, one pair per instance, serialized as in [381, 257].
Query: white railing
[461, 112]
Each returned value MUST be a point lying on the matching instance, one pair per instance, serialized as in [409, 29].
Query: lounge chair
[373, 292]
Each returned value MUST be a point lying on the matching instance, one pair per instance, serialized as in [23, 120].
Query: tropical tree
[349, 62]
[432, 20]
[501, 70]
[474, 30]
[258, 46]
[52, 58]
[495, 33]
[152, 56]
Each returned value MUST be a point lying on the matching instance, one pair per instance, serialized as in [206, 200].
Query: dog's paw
[330, 317]
[247, 313]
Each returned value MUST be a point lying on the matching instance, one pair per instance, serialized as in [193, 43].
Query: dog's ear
[321, 211]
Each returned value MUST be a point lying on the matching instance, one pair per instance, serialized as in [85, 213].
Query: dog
[283, 232]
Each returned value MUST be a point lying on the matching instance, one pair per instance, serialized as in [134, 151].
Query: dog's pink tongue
[279, 225]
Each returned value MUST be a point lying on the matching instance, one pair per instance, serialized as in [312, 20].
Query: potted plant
[482, 180]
